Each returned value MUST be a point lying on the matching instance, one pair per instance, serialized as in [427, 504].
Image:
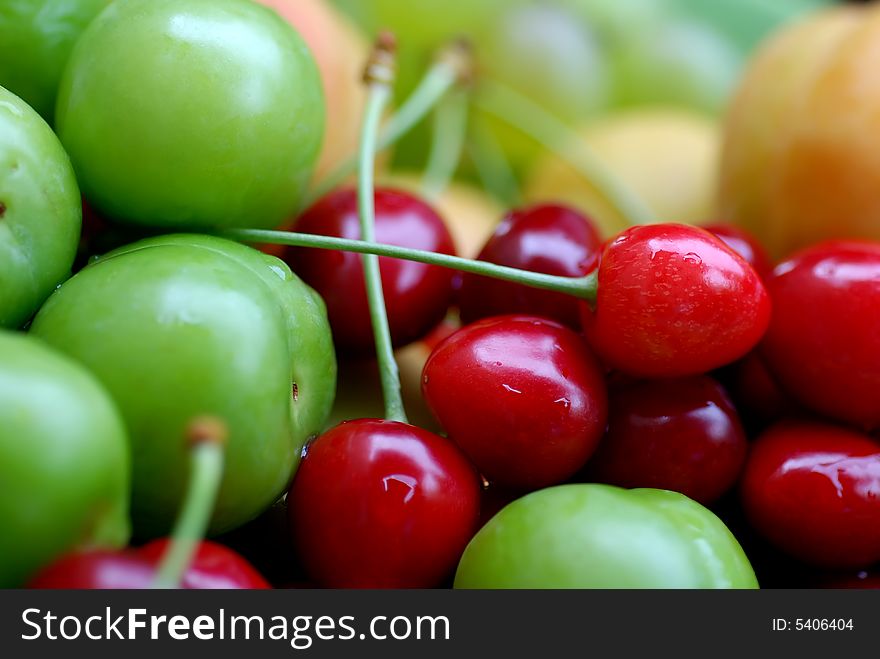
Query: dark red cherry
[550, 239]
[417, 296]
[674, 300]
[521, 395]
[214, 566]
[757, 396]
[382, 504]
[682, 435]
[823, 344]
[96, 570]
[744, 244]
[813, 490]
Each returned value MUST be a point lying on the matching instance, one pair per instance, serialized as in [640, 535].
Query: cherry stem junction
[452, 67]
[378, 76]
[583, 288]
[207, 439]
[532, 120]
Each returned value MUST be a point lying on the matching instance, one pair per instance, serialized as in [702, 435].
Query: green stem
[580, 287]
[378, 78]
[207, 438]
[448, 70]
[492, 165]
[532, 120]
[447, 141]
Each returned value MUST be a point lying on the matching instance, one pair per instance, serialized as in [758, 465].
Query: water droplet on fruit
[511, 389]
[690, 257]
[497, 364]
[565, 402]
[408, 482]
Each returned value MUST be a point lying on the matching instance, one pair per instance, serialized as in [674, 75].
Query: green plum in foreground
[40, 211]
[599, 536]
[36, 37]
[192, 114]
[64, 459]
[182, 326]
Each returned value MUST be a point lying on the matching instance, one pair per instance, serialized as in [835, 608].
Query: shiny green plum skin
[599, 536]
[36, 37]
[192, 114]
[181, 326]
[40, 211]
[64, 459]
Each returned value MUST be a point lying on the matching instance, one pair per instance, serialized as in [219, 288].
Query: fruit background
[459, 293]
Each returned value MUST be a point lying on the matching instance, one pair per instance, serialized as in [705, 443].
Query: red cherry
[814, 491]
[674, 300]
[550, 239]
[97, 569]
[682, 435]
[822, 345]
[521, 395]
[382, 504]
[756, 394]
[417, 296]
[744, 244]
[214, 566]
[863, 580]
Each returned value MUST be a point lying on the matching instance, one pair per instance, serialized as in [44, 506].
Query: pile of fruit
[610, 318]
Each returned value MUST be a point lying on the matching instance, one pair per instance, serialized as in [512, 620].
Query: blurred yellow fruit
[470, 214]
[666, 156]
[801, 159]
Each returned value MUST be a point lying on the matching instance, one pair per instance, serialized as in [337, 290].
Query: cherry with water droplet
[674, 300]
[382, 504]
[521, 395]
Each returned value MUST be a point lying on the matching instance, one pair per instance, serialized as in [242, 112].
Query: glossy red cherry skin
[674, 300]
[744, 244]
[756, 394]
[213, 567]
[96, 570]
[814, 491]
[823, 344]
[522, 396]
[682, 435]
[417, 296]
[382, 504]
[550, 239]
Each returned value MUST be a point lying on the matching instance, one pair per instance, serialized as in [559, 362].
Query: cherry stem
[207, 438]
[452, 66]
[579, 287]
[447, 142]
[532, 120]
[492, 165]
[379, 76]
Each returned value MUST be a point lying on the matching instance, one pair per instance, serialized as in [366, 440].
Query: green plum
[192, 114]
[36, 37]
[40, 211]
[599, 536]
[64, 459]
[181, 326]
